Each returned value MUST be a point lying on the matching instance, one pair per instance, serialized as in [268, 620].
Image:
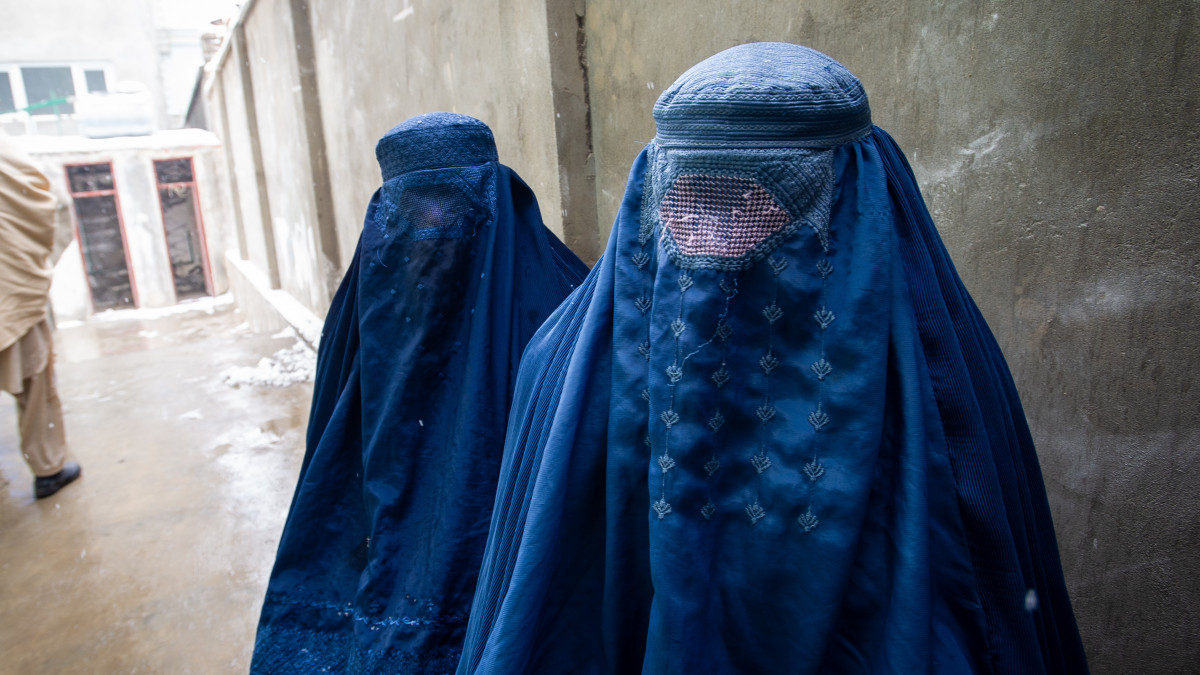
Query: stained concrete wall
[379, 63]
[244, 178]
[1056, 145]
[279, 101]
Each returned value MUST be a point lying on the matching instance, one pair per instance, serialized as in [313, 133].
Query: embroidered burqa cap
[453, 274]
[770, 432]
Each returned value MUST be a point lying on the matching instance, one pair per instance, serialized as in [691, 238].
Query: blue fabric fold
[770, 432]
[453, 273]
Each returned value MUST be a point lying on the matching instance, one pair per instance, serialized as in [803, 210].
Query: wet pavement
[156, 560]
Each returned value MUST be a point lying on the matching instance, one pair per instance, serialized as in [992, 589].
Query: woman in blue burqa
[770, 432]
[453, 274]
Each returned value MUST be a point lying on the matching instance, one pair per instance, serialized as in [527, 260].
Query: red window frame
[133, 287]
[205, 261]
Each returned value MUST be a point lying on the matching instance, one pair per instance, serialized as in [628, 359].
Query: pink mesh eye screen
[723, 222]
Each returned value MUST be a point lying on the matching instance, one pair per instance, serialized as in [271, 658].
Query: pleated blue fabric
[770, 432]
[453, 273]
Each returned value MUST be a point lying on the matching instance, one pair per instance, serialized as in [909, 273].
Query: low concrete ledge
[266, 308]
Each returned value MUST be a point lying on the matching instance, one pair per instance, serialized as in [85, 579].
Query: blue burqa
[453, 274]
[770, 432]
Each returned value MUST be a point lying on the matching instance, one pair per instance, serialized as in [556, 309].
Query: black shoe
[44, 486]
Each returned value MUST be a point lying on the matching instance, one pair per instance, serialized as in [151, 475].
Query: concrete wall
[1056, 145]
[271, 53]
[379, 63]
[245, 174]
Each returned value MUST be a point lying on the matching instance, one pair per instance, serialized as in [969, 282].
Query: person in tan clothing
[26, 348]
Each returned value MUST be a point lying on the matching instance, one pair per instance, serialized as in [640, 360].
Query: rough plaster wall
[237, 141]
[379, 63]
[1056, 144]
[277, 96]
[216, 212]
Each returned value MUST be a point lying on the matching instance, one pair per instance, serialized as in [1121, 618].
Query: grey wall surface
[1056, 145]
[271, 54]
[244, 179]
[379, 63]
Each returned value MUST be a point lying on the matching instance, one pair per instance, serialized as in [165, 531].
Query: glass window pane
[90, 177]
[174, 170]
[46, 84]
[95, 81]
[6, 95]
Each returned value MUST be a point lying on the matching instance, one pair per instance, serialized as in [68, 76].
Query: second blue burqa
[770, 433]
[453, 274]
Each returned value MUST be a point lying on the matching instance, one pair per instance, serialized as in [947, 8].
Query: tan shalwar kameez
[26, 349]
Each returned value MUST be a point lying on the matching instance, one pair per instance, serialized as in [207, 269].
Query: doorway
[101, 235]
[184, 228]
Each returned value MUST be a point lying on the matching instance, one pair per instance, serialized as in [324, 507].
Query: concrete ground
[156, 560]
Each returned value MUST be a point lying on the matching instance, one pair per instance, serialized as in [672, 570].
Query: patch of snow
[208, 305]
[192, 415]
[242, 440]
[287, 332]
[166, 139]
[282, 369]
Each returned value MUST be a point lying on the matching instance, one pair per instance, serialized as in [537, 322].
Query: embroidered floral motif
[674, 373]
[765, 412]
[808, 521]
[643, 304]
[662, 508]
[711, 466]
[666, 463]
[708, 510]
[773, 313]
[814, 470]
[685, 282]
[678, 326]
[669, 418]
[721, 377]
[818, 419]
[825, 268]
[640, 259]
[821, 369]
[768, 363]
[755, 512]
[644, 350]
[824, 317]
[761, 462]
[778, 264]
[716, 421]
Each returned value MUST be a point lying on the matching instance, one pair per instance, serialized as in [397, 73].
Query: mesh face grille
[719, 217]
[437, 204]
[438, 210]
